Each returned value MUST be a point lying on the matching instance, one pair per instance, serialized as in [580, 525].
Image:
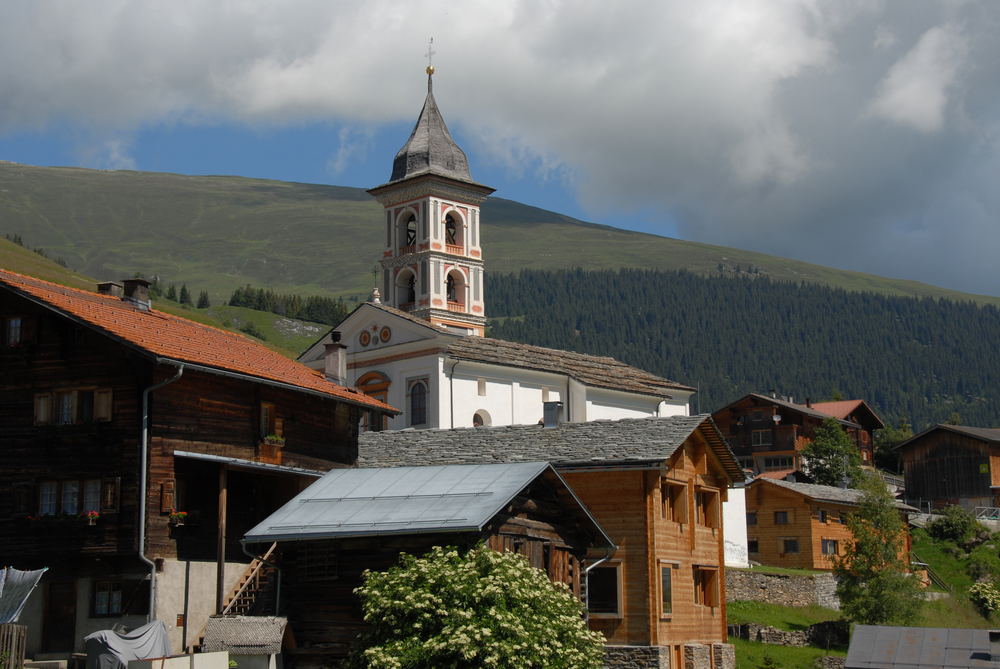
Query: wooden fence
[13, 639]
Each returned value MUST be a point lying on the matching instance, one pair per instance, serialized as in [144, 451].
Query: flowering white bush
[481, 609]
[985, 596]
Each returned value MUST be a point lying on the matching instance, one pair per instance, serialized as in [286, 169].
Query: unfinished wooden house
[655, 484]
[356, 519]
[953, 464]
[138, 447]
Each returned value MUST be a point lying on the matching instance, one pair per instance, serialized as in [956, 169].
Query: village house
[418, 342]
[656, 485]
[356, 519]
[137, 449]
[952, 464]
[767, 433]
[801, 525]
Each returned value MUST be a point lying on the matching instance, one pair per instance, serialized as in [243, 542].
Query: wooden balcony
[454, 249]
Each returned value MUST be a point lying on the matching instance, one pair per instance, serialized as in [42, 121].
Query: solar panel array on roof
[358, 502]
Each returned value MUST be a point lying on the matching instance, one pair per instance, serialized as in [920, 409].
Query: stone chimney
[335, 360]
[110, 288]
[551, 415]
[137, 293]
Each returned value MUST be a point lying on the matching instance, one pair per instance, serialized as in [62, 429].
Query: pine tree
[172, 293]
[185, 295]
[203, 302]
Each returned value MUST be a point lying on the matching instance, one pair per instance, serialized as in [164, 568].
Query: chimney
[335, 360]
[809, 402]
[110, 288]
[552, 413]
[137, 293]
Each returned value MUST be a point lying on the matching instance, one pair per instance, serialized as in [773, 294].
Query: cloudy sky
[857, 134]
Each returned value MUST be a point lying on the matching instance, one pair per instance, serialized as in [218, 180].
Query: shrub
[481, 609]
[958, 525]
[984, 562]
[985, 596]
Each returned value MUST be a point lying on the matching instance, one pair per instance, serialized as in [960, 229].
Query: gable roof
[843, 408]
[884, 647]
[990, 435]
[592, 370]
[405, 500]
[824, 493]
[633, 442]
[172, 339]
[792, 406]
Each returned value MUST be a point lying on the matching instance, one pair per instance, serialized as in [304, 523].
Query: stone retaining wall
[785, 589]
[696, 656]
[830, 634]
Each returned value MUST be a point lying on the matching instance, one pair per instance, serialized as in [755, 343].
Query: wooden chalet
[801, 525]
[655, 484]
[768, 433]
[137, 449]
[356, 519]
[952, 464]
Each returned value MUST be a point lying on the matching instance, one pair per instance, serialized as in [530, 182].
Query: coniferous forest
[921, 360]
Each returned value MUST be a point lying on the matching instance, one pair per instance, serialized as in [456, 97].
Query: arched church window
[450, 230]
[411, 290]
[450, 289]
[374, 384]
[406, 289]
[481, 419]
[418, 403]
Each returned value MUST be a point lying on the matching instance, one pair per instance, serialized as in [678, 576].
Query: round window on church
[385, 334]
[364, 338]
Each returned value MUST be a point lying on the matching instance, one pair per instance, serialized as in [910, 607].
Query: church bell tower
[432, 264]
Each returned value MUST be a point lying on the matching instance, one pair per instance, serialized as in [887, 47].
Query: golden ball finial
[430, 69]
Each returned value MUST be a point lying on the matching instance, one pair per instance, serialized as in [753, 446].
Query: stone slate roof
[245, 635]
[592, 370]
[827, 493]
[632, 441]
[430, 149]
[883, 647]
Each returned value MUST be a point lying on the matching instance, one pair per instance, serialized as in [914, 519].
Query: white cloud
[915, 90]
[781, 126]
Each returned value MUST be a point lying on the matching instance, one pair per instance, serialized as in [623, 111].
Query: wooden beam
[220, 567]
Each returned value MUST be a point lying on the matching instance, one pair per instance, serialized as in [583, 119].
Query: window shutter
[102, 404]
[167, 495]
[110, 494]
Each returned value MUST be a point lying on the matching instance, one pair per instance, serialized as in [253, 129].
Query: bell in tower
[432, 264]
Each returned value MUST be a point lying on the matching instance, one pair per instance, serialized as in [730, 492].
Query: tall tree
[886, 441]
[831, 458]
[203, 302]
[172, 293]
[185, 295]
[872, 582]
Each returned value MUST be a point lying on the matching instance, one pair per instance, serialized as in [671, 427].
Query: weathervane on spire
[430, 57]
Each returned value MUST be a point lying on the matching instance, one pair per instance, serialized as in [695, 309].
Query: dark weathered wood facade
[768, 434]
[952, 464]
[71, 400]
[319, 576]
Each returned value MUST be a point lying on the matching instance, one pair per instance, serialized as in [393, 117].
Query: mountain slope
[218, 232]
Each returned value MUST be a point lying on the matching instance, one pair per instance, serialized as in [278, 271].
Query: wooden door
[59, 624]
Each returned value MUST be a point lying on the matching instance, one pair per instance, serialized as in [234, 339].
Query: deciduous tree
[831, 458]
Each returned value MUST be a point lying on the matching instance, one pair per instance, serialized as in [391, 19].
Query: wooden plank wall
[947, 468]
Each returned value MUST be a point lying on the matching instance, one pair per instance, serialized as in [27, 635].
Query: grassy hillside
[218, 232]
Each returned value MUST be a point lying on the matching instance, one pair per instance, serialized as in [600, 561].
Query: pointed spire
[430, 149]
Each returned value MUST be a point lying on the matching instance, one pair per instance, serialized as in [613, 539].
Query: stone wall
[785, 589]
[831, 634]
[696, 656]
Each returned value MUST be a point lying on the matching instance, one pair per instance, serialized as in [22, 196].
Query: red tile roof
[175, 339]
[841, 409]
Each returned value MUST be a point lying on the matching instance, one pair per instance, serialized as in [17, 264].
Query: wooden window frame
[708, 507]
[825, 543]
[786, 518]
[751, 518]
[109, 495]
[756, 543]
[620, 587]
[48, 408]
[783, 545]
[665, 590]
[133, 597]
[43, 409]
[707, 590]
[670, 492]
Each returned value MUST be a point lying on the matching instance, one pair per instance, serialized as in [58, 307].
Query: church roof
[592, 370]
[602, 443]
[430, 148]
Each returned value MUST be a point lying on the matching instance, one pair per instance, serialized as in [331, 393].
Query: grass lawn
[751, 655]
[776, 615]
[768, 569]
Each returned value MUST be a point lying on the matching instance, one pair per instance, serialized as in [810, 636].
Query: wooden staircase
[255, 593]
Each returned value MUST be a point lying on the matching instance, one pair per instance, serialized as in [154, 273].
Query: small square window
[780, 517]
[830, 547]
[822, 515]
[603, 591]
[751, 518]
[753, 546]
[706, 586]
[789, 545]
[674, 502]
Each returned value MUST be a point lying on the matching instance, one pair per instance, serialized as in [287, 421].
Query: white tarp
[107, 649]
[15, 587]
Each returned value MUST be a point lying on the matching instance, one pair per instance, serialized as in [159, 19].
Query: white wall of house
[734, 528]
